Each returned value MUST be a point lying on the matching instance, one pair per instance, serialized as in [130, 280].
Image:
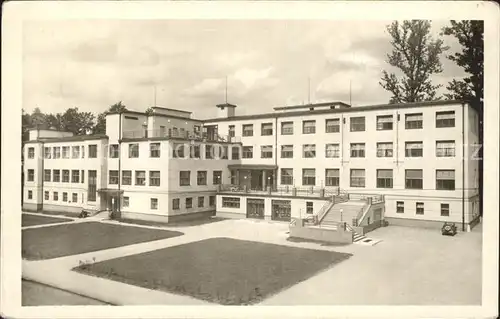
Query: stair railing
[322, 212]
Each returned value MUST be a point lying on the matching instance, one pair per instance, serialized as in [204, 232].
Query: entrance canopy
[110, 191]
[251, 167]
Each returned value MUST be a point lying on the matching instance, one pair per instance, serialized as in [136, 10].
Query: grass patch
[71, 239]
[220, 270]
[34, 220]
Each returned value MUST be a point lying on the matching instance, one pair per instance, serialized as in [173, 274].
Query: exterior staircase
[350, 210]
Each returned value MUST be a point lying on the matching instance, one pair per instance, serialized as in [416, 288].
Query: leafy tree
[80, 123]
[416, 55]
[149, 111]
[470, 35]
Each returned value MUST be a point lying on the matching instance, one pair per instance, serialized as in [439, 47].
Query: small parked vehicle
[84, 214]
[449, 229]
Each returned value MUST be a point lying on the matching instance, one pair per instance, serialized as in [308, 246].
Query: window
[266, 151]
[176, 203]
[286, 128]
[46, 152]
[357, 124]
[154, 178]
[133, 150]
[400, 207]
[211, 200]
[309, 150]
[56, 175]
[248, 130]
[384, 178]
[83, 176]
[74, 197]
[384, 149]
[184, 178]
[286, 176]
[209, 154]
[30, 194]
[201, 178]
[46, 195]
[31, 175]
[384, 122]
[201, 201]
[75, 152]
[235, 153]
[114, 150]
[55, 196]
[231, 202]
[419, 208]
[357, 178]
[286, 151]
[126, 201]
[57, 152]
[83, 151]
[414, 121]
[224, 152]
[140, 178]
[113, 177]
[65, 152]
[127, 177]
[46, 175]
[445, 179]
[178, 151]
[445, 148]
[231, 131]
[154, 203]
[31, 152]
[445, 119]
[65, 197]
[308, 177]
[332, 150]
[175, 132]
[332, 177]
[332, 126]
[75, 176]
[357, 149]
[217, 177]
[65, 176]
[189, 202]
[445, 209]
[281, 210]
[266, 129]
[93, 151]
[414, 179]
[308, 127]
[194, 151]
[92, 186]
[414, 149]
[309, 207]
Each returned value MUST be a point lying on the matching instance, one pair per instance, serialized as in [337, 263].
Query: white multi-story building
[164, 165]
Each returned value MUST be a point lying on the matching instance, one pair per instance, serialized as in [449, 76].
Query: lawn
[220, 270]
[71, 239]
[34, 220]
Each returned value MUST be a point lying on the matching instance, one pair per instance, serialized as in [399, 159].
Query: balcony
[313, 192]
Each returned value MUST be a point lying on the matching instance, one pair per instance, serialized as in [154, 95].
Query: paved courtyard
[410, 266]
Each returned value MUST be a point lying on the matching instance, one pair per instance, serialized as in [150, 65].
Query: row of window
[179, 151]
[55, 196]
[77, 176]
[154, 178]
[65, 152]
[445, 179]
[357, 124]
[384, 149]
[419, 208]
[176, 202]
[281, 210]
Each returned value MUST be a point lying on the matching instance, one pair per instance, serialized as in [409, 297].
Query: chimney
[226, 110]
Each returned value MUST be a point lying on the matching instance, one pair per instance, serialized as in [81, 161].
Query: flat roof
[166, 108]
[69, 139]
[303, 106]
[335, 111]
[156, 114]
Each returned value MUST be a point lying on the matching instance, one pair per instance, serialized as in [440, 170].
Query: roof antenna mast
[350, 92]
[309, 90]
[226, 89]
[155, 96]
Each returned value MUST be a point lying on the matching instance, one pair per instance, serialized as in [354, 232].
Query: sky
[94, 64]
